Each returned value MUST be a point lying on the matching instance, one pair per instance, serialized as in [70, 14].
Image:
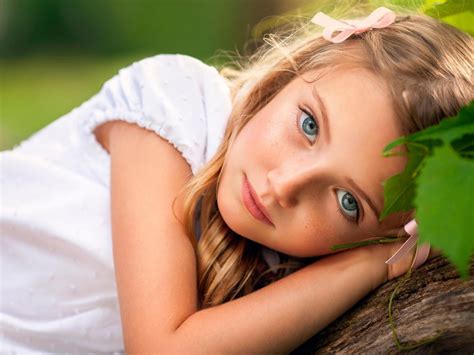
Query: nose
[286, 184]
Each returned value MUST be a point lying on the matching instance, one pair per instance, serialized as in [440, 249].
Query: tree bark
[433, 300]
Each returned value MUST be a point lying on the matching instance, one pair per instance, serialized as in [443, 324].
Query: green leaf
[438, 9]
[388, 150]
[464, 146]
[399, 190]
[444, 205]
[449, 128]
[463, 21]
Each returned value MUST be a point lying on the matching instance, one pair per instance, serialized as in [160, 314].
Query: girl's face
[313, 158]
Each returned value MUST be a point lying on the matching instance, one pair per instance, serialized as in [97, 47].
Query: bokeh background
[55, 54]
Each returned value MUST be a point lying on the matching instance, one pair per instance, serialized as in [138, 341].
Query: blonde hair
[427, 66]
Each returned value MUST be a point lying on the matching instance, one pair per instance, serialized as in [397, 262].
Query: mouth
[253, 205]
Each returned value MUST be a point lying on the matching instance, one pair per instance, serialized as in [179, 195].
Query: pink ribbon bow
[379, 18]
[422, 252]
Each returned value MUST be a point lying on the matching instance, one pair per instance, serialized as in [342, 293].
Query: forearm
[283, 315]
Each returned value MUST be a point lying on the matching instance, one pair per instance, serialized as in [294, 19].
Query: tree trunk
[433, 299]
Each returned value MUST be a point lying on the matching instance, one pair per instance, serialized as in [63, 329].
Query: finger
[434, 252]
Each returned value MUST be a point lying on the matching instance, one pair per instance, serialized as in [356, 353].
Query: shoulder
[146, 83]
[178, 97]
[173, 69]
[172, 61]
[190, 97]
[183, 80]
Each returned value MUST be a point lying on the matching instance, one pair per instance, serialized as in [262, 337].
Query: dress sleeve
[178, 97]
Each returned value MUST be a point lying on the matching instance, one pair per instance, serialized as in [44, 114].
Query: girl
[143, 219]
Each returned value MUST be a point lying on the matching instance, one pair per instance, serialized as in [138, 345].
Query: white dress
[58, 292]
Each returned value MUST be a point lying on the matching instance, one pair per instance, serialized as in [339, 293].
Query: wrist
[378, 254]
[374, 256]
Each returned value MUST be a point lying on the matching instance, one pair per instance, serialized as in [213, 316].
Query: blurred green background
[55, 54]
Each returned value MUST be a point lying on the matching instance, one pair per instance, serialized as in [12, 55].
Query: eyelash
[297, 121]
[346, 217]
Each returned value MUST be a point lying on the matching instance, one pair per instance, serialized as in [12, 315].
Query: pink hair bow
[379, 18]
[422, 252]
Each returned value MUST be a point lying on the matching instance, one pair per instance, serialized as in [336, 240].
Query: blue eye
[308, 125]
[348, 203]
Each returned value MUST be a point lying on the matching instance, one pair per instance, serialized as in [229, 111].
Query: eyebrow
[364, 195]
[323, 112]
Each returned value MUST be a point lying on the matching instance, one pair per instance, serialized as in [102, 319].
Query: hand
[403, 265]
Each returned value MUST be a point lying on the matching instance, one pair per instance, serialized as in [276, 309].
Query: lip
[253, 205]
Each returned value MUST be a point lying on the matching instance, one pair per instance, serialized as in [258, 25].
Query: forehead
[354, 97]
[356, 81]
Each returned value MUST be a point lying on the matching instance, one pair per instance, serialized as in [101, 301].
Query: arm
[155, 268]
[283, 315]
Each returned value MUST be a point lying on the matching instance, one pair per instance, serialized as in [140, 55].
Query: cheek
[244, 142]
[310, 233]
[268, 132]
[227, 200]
